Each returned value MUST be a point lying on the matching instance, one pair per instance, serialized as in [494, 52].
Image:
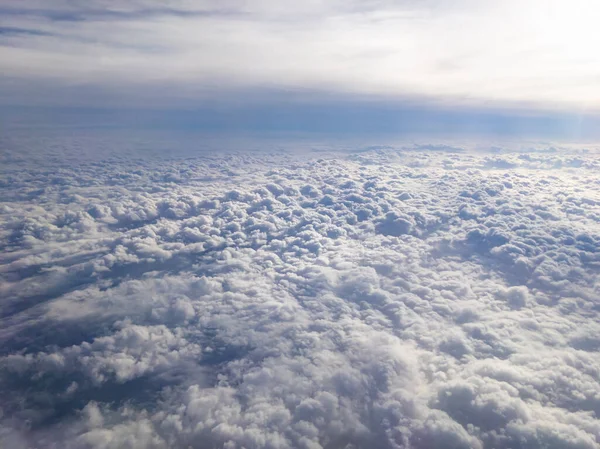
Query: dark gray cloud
[387, 297]
[90, 13]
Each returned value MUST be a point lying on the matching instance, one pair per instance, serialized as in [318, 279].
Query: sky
[464, 58]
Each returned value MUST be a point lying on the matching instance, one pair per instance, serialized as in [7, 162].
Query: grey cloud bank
[248, 121]
[414, 296]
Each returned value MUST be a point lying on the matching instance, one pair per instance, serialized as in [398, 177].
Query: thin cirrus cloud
[539, 54]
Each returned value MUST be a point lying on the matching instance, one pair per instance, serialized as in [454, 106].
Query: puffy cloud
[395, 298]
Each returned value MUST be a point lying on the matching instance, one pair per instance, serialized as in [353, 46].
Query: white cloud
[464, 52]
[385, 298]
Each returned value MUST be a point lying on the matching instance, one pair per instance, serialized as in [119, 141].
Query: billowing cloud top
[539, 52]
[415, 297]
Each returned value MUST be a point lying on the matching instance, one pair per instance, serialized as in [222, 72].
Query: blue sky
[461, 61]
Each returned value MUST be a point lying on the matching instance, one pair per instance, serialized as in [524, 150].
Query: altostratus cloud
[540, 52]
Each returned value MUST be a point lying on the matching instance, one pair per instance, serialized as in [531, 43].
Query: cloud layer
[541, 53]
[395, 297]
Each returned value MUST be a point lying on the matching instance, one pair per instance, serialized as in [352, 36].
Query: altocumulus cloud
[391, 298]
